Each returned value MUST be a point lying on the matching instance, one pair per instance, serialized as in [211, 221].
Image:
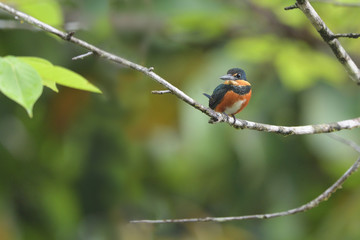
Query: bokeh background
[86, 164]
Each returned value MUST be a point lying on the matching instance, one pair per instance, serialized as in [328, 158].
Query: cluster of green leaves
[22, 79]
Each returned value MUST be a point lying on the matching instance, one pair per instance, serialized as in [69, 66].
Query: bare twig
[328, 37]
[346, 35]
[82, 56]
[312, 204]
[294, 6]
[69, 35]
[215, 116]
[298, 130]
[350, 143]
[160, 91]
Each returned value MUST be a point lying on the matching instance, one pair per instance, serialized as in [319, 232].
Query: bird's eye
[238, 75]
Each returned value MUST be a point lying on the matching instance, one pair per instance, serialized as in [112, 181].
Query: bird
[233, 95]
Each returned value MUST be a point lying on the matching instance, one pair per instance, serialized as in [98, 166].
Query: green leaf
[71, 79]
[20, 82]
[44, 68]
[55, 74]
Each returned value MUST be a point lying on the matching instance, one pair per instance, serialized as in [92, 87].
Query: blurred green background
[86, 164]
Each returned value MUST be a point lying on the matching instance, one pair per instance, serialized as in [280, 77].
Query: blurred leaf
[198, 26]
[48, 11]
[60, 208]
[44, 68]
[55, 74]
[254, 49]
[276, 7]
[346, 14]
[299, 67]
[295, 67]
[71, 79]
[20, 82]
[346, 207]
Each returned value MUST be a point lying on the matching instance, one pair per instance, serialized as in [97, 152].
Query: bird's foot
[229, 120]
[234, 119]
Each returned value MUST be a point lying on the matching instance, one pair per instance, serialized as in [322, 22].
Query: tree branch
[294, 6]
[82, 56]
[346, 35]
[312, 204]
[215, 116]
[160, 92]
[350, 143]
[330, 38]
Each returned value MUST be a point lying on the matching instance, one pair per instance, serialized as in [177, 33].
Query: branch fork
[330, 38]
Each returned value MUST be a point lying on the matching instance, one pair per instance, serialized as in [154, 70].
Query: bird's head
[234, 74]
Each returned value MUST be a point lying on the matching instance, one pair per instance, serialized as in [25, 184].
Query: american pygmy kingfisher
[233, 95]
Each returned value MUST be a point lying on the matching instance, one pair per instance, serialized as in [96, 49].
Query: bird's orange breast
[232, 103]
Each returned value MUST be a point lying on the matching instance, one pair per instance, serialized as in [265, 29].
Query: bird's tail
[207, 95]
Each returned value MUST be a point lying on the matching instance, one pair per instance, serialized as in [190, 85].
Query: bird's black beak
[228, 77]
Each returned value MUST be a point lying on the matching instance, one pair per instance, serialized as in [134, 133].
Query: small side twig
[69, 35]
[350, 143]
[294, 6]
[160, 91]
[346, 35]
[340, 53]
[82, 56]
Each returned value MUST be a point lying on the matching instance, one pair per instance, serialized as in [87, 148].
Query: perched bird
[231, 96]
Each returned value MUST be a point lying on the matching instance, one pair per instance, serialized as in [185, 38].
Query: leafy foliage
[20, 82]
[44, 68]
[21, 79]
[53, 75]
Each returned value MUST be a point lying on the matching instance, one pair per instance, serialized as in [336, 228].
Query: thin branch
[215, 116]
[82, 56]
[328, 37]
[312, 204]
[294, 6]
[298, 130]
[160, 92]
[350, 143]
[346, 35]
